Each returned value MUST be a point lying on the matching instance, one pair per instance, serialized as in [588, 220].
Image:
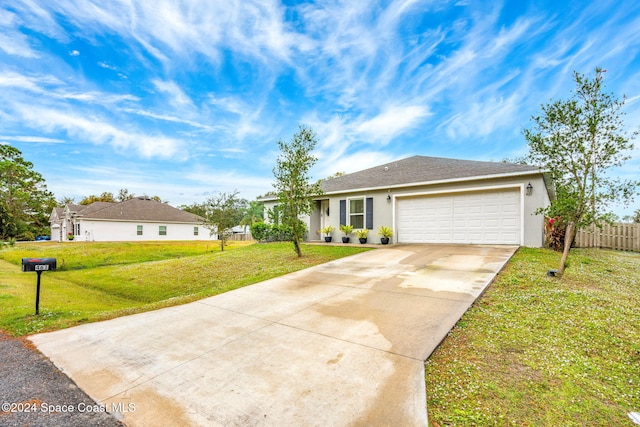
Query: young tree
[25, 202]
[253, 214]
[222, 213]
[295, 193]
[579, 140]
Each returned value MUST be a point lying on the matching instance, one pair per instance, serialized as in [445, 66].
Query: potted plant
[385, 234]
[347, 230]
[327, 232]
[362, 235]
[70, 236]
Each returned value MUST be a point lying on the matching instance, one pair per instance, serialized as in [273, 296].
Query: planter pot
[363, 240]
[384, 240]
[345, 239]
[328, 239]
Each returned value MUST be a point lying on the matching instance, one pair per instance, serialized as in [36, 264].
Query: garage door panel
[491, 222]
[480, 217]
[474, 222]
[509, 222]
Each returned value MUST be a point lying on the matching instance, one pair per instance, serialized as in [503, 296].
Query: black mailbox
[38, 264]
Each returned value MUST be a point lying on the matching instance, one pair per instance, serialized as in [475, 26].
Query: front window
[195, 231]
[356, 213]
[162, 230]
[139, 230]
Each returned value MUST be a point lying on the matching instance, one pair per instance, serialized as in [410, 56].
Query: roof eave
[140, 220]
[425, 183]
[439, 181]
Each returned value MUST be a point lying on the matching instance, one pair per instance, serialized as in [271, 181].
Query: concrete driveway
[343, 343]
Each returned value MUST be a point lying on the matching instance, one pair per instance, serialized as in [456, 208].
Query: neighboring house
[137, 219]
[437, 200]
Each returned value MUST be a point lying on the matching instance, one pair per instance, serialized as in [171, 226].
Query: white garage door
[490, 217]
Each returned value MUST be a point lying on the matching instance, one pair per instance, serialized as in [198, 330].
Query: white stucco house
[437, 200]
[136, 219]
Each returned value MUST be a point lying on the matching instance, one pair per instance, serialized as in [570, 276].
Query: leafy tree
[293, 190]
[253, 214]
[25, 202]
[330, 177]
[194, 208]
[579, 140]
[633, 218]
[222, 213]
[104, 197]
[274, 215]
[124, 194]
[66, 200]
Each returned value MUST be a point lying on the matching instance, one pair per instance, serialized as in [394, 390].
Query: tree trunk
[296, 245]
[296, 241]
[569, 235]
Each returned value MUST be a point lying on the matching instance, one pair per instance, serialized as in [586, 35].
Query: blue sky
[185, 99]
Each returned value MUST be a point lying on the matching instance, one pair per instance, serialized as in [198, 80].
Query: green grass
[541, 351]
[98, 281]
[80, 255]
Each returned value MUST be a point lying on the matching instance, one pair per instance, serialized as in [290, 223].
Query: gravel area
[33, 392]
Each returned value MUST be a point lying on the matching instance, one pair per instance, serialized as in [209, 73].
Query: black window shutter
[343, 212]
[369, 213]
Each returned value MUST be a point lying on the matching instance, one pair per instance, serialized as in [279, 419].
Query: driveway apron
[338, 344]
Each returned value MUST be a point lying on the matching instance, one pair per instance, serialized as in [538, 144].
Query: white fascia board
[442, 181]
[137, 221]
[423, 183]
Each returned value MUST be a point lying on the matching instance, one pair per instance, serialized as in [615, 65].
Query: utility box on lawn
[38, 265]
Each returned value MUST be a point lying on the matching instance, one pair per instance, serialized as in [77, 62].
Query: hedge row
[264, 232]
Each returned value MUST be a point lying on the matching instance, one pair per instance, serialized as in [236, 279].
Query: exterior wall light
[388, 197]
[529, 189]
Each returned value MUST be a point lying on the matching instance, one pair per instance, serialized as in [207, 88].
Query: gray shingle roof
[138, 209]
[82, 210]
[421, 169]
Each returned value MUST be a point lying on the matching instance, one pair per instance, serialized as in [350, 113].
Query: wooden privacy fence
[621, 236]
[241, 237]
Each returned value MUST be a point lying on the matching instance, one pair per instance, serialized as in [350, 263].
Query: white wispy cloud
[35, 139]
[50, 87]
[12, 40]
[251, 27]
[106, 65]
[482, 118]
[173, 119]
[175, 94]
[98, 131]
[391, 123]
[17, 80]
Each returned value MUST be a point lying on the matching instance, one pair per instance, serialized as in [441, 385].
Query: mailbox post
[38, 265]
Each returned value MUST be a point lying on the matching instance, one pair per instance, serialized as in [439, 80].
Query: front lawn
[98, 281]
[541, 351]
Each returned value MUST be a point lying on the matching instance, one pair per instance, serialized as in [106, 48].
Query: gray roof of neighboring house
[87, 209]
[136, 209]
[57, 212]
[422, 169]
